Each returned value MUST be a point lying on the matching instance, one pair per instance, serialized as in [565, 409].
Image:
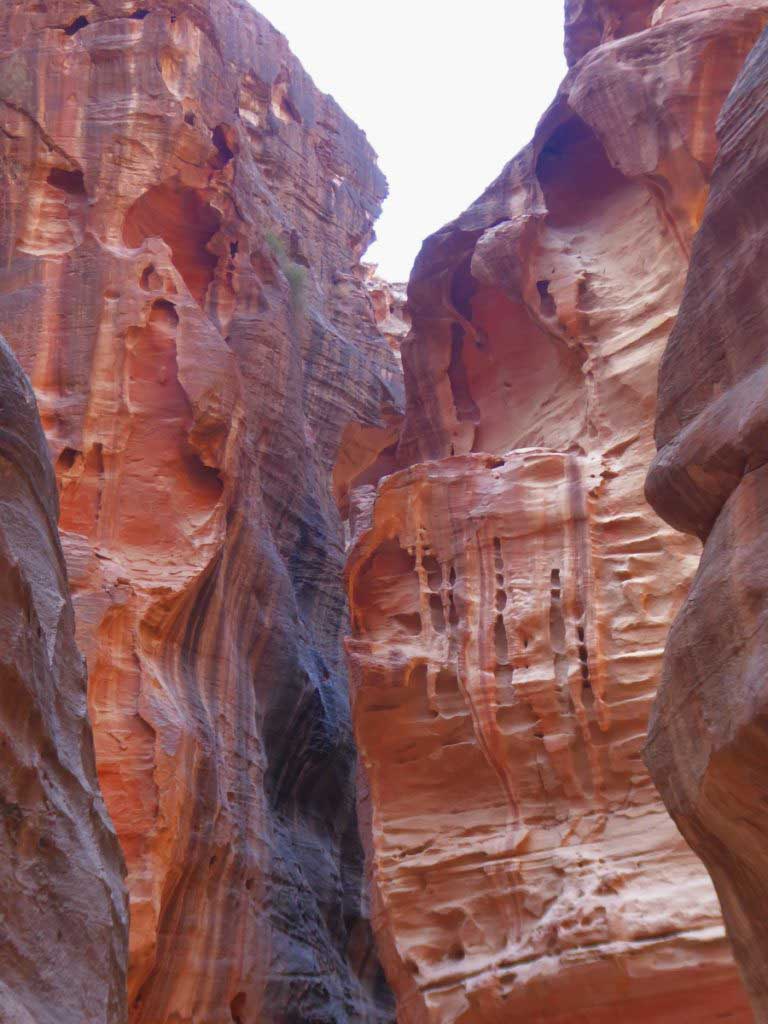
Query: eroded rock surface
[708, 739]
[511, 591]
[64, 913]
[182, 223]
[389, 306]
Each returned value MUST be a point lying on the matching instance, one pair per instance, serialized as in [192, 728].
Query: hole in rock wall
[446, 684]
[500, 641]
[151, 280]
[556, 618]
[410, 623]
[574, 173]
[78, 24]
[71, 182]
[436, 613]
[546, 301]
[282, 106]
[67, 459]
[182, 218]
[434, 573]
[219, 139]
[583, 657]
[61, 201]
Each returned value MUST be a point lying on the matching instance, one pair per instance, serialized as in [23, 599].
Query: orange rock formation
[64, 914]
[707, 739]
[182, 223]
[511, 591]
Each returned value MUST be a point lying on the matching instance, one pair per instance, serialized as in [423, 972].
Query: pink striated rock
[512, 592]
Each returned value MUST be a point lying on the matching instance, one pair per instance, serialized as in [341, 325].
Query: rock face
[389, 306]
[708, 737]
[182, 223]
[61, 886]
[511, 591]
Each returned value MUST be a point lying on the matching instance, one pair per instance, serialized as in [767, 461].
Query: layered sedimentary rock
[369, 451]
[183, 215]
[389, 307]
[708, 739]
[64, 914]
[511, 591]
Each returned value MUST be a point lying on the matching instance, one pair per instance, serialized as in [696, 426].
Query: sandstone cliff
[183, 215]
[511, 591]
[707, 745]
[64, 914]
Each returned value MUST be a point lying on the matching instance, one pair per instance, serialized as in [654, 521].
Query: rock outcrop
[511, 591]
[389, 307]
[64, 913]
[183, 216]
[708, 739]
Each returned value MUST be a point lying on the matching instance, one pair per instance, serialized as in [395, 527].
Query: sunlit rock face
[182, 223]
[511, 591]
[64, 912]
[708, 743]
[389, 307]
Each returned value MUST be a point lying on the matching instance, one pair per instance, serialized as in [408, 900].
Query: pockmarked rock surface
[183, 216]
[510, 589]
[64, 912]
[708, 739]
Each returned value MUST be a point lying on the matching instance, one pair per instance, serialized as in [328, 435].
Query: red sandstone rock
[64, 919]
[389, 307]
[511, 591]
[590, 23]
[183, 218]
[707, 743]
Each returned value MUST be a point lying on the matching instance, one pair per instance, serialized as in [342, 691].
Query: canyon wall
[64, 914]
[708, 740]
[511, 591]
[183, 216]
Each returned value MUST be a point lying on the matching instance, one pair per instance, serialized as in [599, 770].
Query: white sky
[446, 92]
